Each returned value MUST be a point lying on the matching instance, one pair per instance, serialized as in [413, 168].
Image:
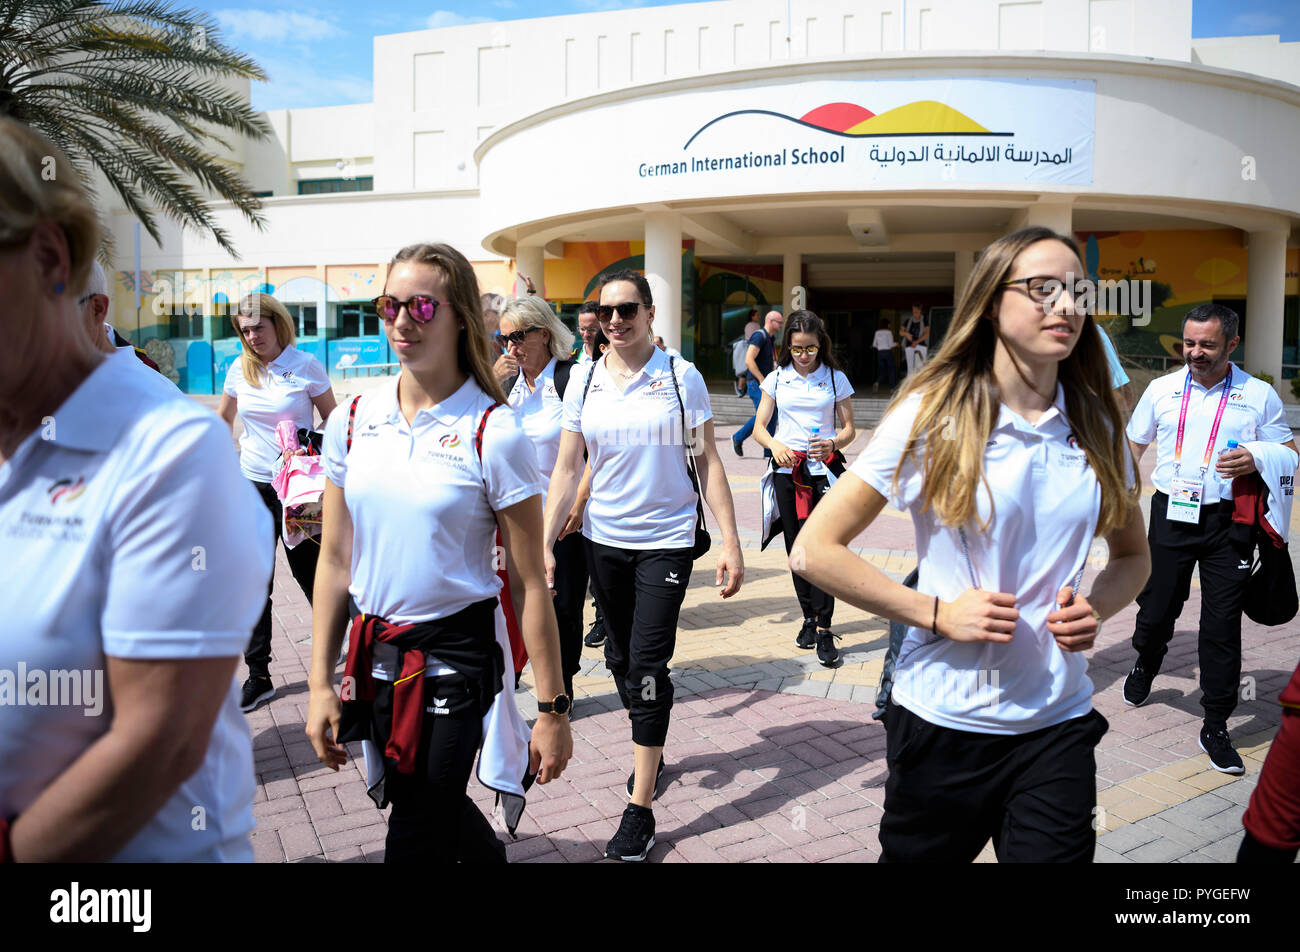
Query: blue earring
[58, 288]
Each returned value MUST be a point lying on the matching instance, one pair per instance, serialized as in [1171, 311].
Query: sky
[319, 53]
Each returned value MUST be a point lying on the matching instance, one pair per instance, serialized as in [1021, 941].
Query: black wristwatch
[559, 706]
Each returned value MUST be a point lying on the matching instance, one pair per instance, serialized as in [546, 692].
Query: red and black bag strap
[482, 425]
[352, 418]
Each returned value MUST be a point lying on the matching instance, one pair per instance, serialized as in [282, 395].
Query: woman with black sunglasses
[422, 473]
[632, 411]
[807, 454]
[272, 381]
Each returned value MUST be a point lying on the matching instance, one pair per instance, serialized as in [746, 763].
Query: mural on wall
[1185, 268]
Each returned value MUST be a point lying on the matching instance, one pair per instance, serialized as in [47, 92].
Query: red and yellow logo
[449, 441]
[925, 117]
[67, 489]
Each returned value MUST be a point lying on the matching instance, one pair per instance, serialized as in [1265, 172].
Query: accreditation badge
[1185, 500]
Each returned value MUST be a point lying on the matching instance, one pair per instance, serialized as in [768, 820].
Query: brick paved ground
[772, 757]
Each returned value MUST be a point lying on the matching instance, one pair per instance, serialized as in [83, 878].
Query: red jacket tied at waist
[803, 490]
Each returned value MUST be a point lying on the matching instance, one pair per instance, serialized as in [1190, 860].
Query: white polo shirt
[1254, 412]
[286, 394]
[641, 495]
[540, 411]
[884, 340]
[583, 356]
[148, 377]
[1046, 501]
[804, 402]
[126, 530]
[423, 509]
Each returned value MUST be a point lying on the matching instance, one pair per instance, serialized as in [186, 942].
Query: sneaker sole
[257, 701]
[1137, 703]
[594, 644]
[1237, 771]
[638, 858]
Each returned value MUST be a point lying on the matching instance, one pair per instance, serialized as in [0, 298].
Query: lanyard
[1214, 430]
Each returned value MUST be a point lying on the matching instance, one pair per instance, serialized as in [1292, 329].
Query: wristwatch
[559, 706]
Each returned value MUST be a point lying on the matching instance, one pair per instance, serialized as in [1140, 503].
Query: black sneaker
[736, 446]
[596, 636]
[635, 837]
[1137, 686]
[1223, 758]
[807, 634]
[256, 690]
[826, 652]
[659, 775]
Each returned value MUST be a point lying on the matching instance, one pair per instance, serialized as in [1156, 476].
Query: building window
[182, 325]
[356, 319]
[362, 183]
[266, 194]
[304, 318]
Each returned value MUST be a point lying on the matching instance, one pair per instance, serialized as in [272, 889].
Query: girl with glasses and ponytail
[421, 475]
[1007, 450]
[807, 450]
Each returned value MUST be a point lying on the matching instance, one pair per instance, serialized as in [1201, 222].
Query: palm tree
[134, 90]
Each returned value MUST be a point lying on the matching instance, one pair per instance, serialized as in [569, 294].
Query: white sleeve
[695, 396]
[768, 386]
[843, 389]
[334, 448]
[875, 465]
[1142, 424]
[234, 377]
[318, 380]
[571, 419]
[509, 461]
[190, 547]
[1274, 426]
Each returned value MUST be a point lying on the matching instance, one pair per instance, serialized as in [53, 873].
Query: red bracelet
[6, 848]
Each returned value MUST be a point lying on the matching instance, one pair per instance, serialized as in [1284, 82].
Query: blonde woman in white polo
[271, 381]
[1007, 450]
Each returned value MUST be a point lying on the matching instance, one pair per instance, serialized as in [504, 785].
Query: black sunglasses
[514, 337]
[627, 310]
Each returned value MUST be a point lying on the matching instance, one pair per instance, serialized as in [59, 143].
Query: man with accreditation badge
[1212, 423]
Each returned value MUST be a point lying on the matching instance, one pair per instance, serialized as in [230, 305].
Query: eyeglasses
[514, 337]
[627, 310]
[1042, 289]
[421, 307]
[802, 351]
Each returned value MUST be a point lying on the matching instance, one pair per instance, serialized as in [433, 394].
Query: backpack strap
[352, 418]
[562, 369]
[482, 425]
[587, 386]
[691, 471]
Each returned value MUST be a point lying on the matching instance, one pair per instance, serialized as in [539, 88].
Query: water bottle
[1232, 445]
[814, 434]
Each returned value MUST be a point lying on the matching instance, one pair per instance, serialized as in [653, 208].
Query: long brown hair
[260, 305]
[960, 399]
[461, 284]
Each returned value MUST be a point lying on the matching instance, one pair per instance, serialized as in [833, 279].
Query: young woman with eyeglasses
[421, 474]
[627, 411]
[1007, 449]
[272, 381]
[807, 450]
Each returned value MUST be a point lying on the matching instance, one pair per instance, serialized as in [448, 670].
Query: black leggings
[570, 592]
[433, 820]
[815, 603]
[302, 562]
[640, 592]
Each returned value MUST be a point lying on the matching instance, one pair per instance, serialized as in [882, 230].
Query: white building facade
[851, 158]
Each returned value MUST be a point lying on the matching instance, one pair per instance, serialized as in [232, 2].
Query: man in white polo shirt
[1192, 413]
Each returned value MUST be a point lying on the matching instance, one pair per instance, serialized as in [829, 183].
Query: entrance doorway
[853, 315]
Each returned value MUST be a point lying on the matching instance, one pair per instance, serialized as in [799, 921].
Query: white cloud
[276, 25]
[1257, 22]
[295, 84]
[442, 18]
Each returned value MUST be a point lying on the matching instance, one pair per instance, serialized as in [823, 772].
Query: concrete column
[1058, 216]
[529, 260]
[963, 263]
[1265, 287]
[791, 278]
[663, 269]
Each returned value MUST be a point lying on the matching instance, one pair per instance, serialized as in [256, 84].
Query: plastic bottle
[814, 435]
[1232, 445]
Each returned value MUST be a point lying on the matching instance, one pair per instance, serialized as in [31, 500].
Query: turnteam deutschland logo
[66, 488]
